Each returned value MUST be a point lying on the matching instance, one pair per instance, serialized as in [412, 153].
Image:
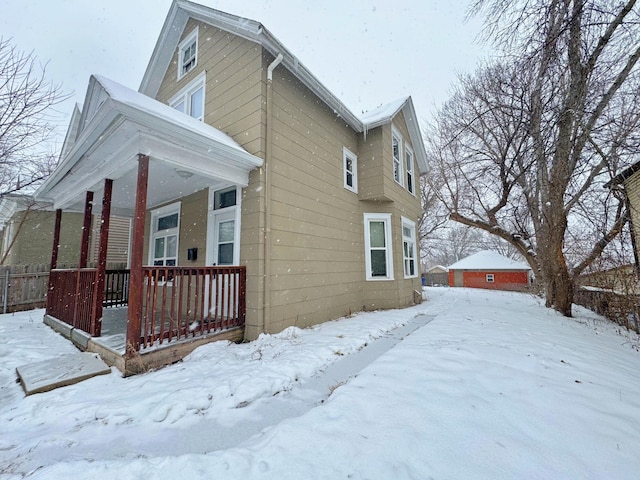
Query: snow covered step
[61, 371]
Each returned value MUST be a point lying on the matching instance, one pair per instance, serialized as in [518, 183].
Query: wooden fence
[23, 287]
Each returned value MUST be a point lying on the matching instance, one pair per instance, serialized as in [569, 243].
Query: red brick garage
[487, 269]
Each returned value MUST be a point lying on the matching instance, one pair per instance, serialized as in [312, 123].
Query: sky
[366, 52]
[471, 384]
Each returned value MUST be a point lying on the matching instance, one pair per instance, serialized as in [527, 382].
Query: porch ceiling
[186, 155]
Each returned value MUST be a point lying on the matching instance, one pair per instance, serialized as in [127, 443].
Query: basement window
[489, 277]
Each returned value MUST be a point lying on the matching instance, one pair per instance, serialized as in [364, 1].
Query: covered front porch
[143, 157]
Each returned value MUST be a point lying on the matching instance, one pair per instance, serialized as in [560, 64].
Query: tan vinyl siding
[632, 187]
[317, 242]
[234, 84]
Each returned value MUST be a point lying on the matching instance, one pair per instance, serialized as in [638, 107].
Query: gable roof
[169, 38]
[488, 260]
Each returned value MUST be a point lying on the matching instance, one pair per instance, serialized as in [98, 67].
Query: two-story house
[258, 199]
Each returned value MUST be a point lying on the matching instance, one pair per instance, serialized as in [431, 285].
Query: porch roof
[116, 125]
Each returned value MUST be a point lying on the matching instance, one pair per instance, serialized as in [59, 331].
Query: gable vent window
[188, 54]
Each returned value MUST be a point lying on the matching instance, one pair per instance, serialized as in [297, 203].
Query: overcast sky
[366, 52]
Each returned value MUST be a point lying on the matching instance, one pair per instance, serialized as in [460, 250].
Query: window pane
[196, 103]
[172, 242]
[170, 263]
[378, 263]
[376, 232]
[350, 179]
[179, 106]
[226, 231]
[158, 251]
[225, 198]
[225, 254]
[169, 221]
[158, 263]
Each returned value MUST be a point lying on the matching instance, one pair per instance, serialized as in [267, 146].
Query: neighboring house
[258, 199]
[629, 181]
[436, 276]
[487, 269]
[27, 234]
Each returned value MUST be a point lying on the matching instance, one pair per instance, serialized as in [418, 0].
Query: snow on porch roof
[488, 260]
[117, 124]
[141, 102]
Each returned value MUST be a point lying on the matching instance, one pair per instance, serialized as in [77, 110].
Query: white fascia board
[416, 136]
[97, 126]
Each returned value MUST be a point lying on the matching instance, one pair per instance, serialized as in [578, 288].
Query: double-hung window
[396, 150]
[165, 224]
[378, 251]
[409, 252]
[408, 156]
[188, 54]
[350, 161]
[190, 100]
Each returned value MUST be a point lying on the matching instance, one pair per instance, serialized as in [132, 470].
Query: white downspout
[266, 316]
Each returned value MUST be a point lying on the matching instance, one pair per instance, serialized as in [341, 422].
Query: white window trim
[184, 95]
[162, 212]
[211, 254]
[348, 154]
[411, 225]
[409, 152]
[378, 217]
[396, 135]
[184, 44]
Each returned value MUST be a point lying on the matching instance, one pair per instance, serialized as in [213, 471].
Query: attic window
[188, 54]
[396, 149]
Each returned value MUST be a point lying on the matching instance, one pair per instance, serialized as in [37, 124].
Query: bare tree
[526, 144]
[26, 98]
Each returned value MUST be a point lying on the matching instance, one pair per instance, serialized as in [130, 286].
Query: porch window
[408, 156]
[190, 100]
[396, 148]
[350, 161]
[409, 253]
[188, 54]
[378, 251]
[164, 238]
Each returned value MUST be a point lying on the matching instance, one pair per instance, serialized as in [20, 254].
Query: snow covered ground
[484, 385]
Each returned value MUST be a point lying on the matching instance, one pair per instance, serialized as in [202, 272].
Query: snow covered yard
[494, 387]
